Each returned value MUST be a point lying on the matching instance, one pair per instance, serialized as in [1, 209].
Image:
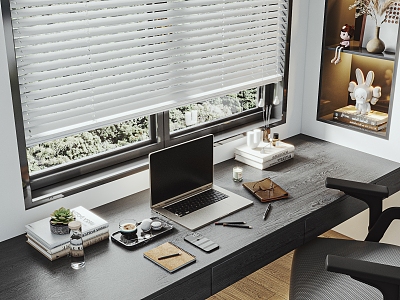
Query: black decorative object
[59, 228]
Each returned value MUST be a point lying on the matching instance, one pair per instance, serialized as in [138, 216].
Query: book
[263, 152]
[362, 125]
[350, 112]
[66, 245]
[266, 190]
[64, 252]
[173, 263]
[40, 230]
[266, 164]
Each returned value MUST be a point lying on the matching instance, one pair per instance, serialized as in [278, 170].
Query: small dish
[156, 225]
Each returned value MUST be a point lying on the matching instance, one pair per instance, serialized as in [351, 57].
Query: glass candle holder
[237, 174]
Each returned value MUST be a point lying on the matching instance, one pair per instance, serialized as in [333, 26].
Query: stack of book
[265, 155]
[53, 246]
[374, 120]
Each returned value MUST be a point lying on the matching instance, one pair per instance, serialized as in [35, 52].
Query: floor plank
[268, 283]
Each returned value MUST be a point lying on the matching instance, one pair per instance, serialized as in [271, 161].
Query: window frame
[63, 181]
[42, 189]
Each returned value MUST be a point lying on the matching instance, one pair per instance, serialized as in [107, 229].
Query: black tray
[141, 237]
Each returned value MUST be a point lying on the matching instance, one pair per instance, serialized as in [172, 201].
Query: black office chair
[321, 267]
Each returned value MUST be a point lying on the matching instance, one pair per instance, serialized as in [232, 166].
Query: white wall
[357, 226]
[388, 149]
[13, 215]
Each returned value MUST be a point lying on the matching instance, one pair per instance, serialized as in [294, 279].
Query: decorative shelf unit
[335, 78]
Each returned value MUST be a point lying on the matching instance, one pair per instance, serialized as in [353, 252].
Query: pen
[237, 225]
[222, 223]
[169, 255]
[267, 211]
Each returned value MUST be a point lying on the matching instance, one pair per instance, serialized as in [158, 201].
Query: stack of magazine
[53, 246]
[265, 155]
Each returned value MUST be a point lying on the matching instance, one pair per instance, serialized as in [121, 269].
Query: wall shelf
[335, 78]
[363, 52]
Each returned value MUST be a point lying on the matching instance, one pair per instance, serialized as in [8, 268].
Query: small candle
[237, 174]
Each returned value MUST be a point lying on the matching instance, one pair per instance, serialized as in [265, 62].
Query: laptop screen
[181, 168]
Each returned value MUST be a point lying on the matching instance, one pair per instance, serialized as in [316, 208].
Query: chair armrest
[370, 193]
[384, 277]
[381, 225]
[354, 187]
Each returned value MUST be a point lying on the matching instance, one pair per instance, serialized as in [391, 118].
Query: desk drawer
[259, 255]
[196, 288]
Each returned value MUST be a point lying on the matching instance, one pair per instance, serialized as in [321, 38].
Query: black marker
[170, 255]
[237, 225]
[267, 211]
[222, 223]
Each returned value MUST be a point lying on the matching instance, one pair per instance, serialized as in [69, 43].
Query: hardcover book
[172, 263]
[362, 125]
[263, 152]
[350, 112]
[264, 165]
[64, 252]
[40, 230]
[66, 245]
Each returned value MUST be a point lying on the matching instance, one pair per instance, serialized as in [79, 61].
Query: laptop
[182, 188]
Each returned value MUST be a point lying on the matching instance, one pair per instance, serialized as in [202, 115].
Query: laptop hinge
[184, 196]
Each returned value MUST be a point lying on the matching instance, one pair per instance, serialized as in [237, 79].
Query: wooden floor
[269, 283]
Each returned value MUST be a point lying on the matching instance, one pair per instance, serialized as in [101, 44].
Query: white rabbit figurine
[363, 92]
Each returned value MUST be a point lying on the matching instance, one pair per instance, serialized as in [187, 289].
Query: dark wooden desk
[113, 272]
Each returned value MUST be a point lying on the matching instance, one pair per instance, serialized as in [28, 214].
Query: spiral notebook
[170, 264]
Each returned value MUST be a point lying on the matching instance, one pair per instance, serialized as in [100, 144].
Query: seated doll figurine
[346, 34]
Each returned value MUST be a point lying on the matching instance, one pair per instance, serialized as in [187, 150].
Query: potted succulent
[60, 219]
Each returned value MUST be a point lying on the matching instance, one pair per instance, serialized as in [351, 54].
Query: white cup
[250, 139]
[254, 138]
[257, 136]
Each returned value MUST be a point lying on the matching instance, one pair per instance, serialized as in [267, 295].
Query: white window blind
[86, 64]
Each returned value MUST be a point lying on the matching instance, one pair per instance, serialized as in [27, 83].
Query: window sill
[88, 181]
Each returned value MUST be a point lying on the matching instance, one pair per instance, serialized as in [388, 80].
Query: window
[99, 84]
[212, 110]
[79, 146]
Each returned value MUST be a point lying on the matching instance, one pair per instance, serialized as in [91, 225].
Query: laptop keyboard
[195, 202]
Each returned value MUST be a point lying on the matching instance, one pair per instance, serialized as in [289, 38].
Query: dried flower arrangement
[374, 8]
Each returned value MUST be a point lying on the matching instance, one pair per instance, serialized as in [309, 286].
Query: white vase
[254, 138]
[376, 45]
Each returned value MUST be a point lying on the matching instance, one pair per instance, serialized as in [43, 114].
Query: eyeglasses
[259, 187]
